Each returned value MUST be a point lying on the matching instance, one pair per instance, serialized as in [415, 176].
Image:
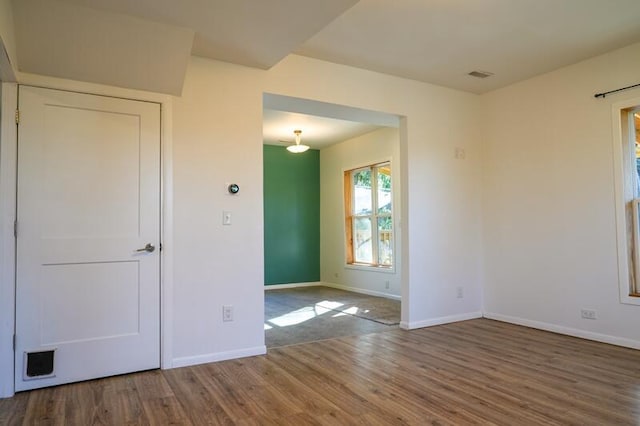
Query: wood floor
[473, 372]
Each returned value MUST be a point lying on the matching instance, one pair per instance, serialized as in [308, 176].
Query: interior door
[88, 233]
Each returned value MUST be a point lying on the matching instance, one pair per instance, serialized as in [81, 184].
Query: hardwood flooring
[473, 372]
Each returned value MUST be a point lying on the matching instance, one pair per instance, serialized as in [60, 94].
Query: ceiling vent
[480, 74]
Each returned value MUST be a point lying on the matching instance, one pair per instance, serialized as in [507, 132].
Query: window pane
[362, 243]
[385, 241]
[384, 189]
[362, 192]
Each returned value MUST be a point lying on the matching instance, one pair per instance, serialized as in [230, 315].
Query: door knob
[148, 248]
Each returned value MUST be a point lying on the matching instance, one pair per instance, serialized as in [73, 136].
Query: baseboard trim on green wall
[333, 285]
[291, 285]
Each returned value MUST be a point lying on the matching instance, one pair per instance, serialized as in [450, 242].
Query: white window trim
[624, 285]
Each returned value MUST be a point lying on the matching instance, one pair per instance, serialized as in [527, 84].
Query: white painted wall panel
[549, 217]
[217, 139]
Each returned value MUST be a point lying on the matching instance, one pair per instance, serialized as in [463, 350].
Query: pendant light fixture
[297, 148]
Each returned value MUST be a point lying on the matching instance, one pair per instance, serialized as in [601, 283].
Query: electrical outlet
[386, 284]
[459, 292]
[588, 314]
[227, 313]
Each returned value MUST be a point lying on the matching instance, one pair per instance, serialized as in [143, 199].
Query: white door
[87, 299]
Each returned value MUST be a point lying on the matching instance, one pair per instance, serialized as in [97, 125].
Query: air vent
[480, 74]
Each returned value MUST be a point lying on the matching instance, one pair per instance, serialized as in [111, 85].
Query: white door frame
[8, 168]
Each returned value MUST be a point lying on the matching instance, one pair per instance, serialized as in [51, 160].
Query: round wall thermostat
[234, 188]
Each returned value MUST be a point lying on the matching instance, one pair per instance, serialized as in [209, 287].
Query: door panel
[108, 202]
[88, 198]
[80, 296]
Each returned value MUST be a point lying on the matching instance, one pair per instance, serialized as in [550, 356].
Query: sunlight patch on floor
[304, 314]
[329, 304]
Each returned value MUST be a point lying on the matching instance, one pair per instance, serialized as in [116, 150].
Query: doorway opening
[313, 288]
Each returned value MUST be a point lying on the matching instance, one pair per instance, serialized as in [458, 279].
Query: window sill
[630, 299]
[370, 268]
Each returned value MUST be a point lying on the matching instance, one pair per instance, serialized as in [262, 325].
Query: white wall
[549, 218]
[217, 138]
[380, 145]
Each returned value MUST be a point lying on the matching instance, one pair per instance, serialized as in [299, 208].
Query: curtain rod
[604, 94]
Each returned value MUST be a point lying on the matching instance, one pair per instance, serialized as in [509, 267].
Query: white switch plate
[226, 218]
[227, 313]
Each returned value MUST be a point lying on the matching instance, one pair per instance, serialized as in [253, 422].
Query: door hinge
[160, 246]
[17, 116]
[15, 229]
[14, 342]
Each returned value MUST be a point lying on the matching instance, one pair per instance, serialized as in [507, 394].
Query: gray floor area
[306, 314]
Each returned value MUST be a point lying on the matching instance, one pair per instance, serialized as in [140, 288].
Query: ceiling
[317, 132]
[146, 44]
[246, 32]
[322, 124]
[435, 41]
[441, 41]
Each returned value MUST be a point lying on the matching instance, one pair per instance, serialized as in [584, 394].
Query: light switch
[226, 218]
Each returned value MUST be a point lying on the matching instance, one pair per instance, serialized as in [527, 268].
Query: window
[368, 216]
[626, 162]
[631, 158]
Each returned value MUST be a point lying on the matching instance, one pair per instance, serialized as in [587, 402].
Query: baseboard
[333, 285]
[360, 290]
[292, 285]
[218, 356]
[440, 320]
[589, 335]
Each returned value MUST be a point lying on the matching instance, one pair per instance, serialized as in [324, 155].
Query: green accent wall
[291, 216]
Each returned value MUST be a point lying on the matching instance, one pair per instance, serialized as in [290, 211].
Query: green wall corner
[291, 216]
